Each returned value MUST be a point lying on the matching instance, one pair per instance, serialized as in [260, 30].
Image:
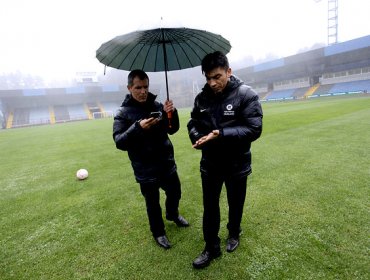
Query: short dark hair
[136, 73]
[214, 60]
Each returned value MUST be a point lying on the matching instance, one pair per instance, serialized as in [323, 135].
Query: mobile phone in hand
[155, 115]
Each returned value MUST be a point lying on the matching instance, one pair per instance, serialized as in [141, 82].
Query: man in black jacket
[226, 118]
[141, 127]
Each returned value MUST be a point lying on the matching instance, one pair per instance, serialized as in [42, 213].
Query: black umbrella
[161, 49]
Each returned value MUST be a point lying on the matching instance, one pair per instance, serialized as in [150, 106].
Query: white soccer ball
[82, 174]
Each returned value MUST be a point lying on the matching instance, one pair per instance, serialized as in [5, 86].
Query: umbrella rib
[134, 60]
[156, 52]
[186, 54]
[171, 45]
[120, 52]
[114, 57]
[107, 47]
[153, 38]
[217, 37]
[146, 56]
[174, 50]
[207, 42]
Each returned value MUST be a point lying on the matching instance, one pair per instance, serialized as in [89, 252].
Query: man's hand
[148, 123]
[201, 141]
[168, 106]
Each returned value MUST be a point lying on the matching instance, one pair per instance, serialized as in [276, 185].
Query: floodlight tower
[332, 21]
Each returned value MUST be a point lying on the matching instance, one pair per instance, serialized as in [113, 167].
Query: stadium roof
[338, 57]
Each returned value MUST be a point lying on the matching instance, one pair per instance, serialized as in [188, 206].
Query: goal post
[102, 115]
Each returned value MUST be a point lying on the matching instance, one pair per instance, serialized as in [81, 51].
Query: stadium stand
[342, 68]
[280, 94]
[77, 112]
[61, 113]
[321, 90]
[351, 87]
[39, 115]
[322, 71]
[21, 117]
[110, 106]
[300, 92]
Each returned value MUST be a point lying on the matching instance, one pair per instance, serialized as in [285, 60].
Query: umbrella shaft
[165, 63]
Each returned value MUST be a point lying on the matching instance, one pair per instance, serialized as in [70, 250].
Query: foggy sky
[55, 39]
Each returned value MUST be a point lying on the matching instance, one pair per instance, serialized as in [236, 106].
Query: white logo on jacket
[229, 111]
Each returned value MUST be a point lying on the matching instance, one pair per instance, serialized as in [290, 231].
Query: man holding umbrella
[141, 128]
[225, 119]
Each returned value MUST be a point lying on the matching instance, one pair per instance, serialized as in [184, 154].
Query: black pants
[236, 188]
[150, 191]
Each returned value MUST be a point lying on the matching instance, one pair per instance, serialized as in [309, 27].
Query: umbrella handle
[169, 116]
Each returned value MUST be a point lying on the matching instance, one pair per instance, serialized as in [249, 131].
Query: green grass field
[306, 214]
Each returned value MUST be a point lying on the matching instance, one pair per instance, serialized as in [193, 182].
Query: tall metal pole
[332, 22]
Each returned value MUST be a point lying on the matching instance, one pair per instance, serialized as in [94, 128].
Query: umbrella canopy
[148, 49]
[161, 49]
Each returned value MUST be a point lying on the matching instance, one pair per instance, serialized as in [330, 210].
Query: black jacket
[237, 113]
[150, 151]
